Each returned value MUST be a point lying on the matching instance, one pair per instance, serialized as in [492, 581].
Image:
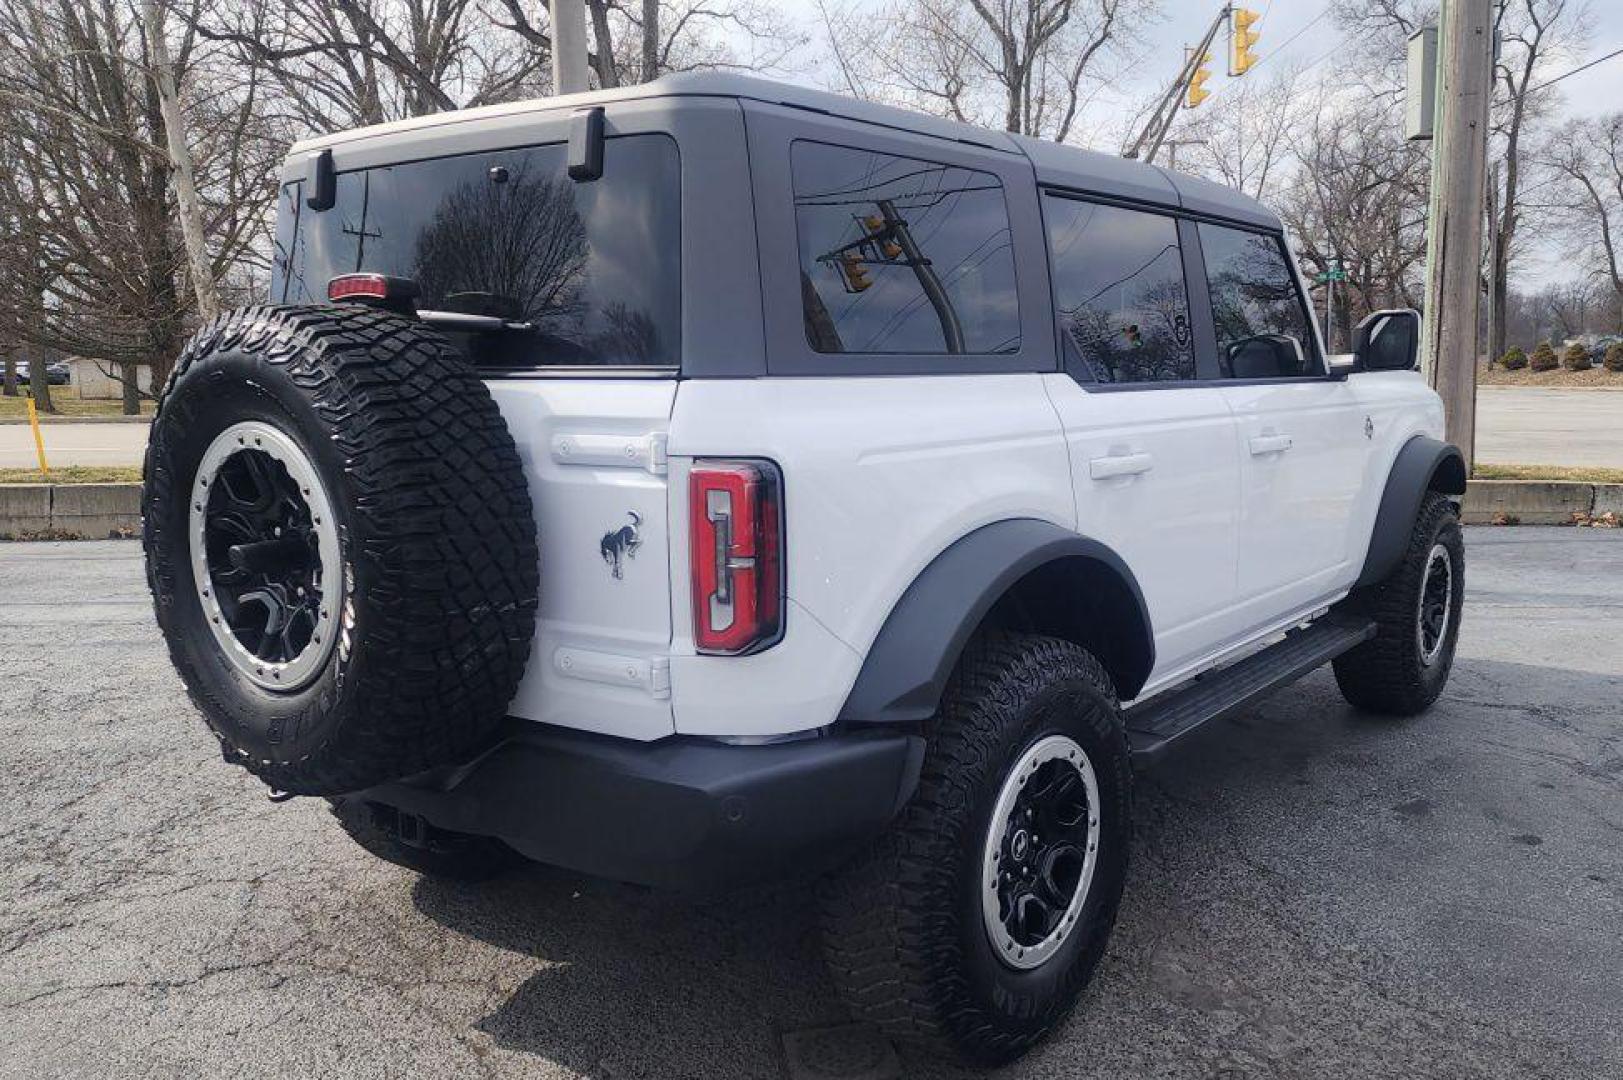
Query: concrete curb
[93, 511]
[69, 511]
[48, 421]
[1539, 502]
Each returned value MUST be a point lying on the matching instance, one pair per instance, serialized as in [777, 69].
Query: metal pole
[568, 46]
[1494, 343]
[1454, 231]
[952, 332]
[1330, 305]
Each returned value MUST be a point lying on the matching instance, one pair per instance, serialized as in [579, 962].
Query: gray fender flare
[905, 671]
[1423, 464]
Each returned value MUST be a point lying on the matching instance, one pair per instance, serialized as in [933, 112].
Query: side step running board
[1153, 726]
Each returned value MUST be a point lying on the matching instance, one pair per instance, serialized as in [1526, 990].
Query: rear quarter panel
[880, 476]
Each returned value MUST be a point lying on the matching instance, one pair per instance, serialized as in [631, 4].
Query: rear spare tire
[340, 545]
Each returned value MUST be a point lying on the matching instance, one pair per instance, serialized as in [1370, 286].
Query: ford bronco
[708, 480]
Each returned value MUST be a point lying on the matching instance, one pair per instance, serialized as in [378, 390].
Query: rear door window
[901, 255]
[1119, 291]
[585, 274]
[1257, 309]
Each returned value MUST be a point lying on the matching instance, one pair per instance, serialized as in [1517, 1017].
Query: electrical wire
[1283, 45]
[1576, 70]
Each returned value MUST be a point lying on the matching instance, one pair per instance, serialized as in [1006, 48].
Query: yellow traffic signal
[855, 271]
[887, 244]
[1197, 83]
[1244, 39]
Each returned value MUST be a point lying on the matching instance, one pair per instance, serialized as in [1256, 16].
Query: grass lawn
[69, 407]
[1585, 474]
[74, 474]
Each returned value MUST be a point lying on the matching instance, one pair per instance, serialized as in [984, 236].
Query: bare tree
[1358, 199]
[1243, 137]
[1587, 156]
[95, 267]
[1026, 66]
[1531, 34]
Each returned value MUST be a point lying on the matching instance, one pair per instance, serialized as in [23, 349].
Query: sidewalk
[74, 443]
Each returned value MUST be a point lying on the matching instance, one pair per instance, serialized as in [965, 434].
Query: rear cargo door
[594, 450]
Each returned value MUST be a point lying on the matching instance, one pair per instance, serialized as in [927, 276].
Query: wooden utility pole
[568, 46]
[180, 159]
[1454, 230]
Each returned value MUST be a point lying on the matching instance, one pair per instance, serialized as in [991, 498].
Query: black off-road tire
[433, 852]
[1387, 674]
[903, 930]
[435, 531]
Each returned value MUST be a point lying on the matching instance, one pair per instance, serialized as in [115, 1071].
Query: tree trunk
[8, 378]
[39, 382]
[180, 155]
[650, 40]
[129, 384]
[607, 76]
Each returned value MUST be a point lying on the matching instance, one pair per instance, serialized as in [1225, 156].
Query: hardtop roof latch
[586, 145]
[320, 181]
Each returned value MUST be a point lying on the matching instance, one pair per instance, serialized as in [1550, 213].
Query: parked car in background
[56, 372]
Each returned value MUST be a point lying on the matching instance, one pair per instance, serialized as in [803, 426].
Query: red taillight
[736, 512]
[379, 288]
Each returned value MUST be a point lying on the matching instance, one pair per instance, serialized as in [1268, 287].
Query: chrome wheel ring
[1436, 604]
[1040, 852]
[263, 542]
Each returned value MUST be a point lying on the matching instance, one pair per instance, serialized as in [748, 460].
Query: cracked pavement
[1313, 893]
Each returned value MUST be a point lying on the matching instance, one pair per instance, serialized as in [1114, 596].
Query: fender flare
[907, 667]
[1423, 464]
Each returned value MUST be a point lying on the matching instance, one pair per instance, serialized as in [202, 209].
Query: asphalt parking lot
[1313, 894]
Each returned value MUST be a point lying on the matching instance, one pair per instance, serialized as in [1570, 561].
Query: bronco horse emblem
[621, 544]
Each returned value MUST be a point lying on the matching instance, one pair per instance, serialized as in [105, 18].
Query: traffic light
[855, 272]
[887, 243]
[1197, 83]
[1244, 39]
[1135, 339]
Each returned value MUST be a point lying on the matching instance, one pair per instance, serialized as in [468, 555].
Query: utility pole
[1166, 111]
[952, 332]
[1454, 230]
[568, 46]
[180, 158]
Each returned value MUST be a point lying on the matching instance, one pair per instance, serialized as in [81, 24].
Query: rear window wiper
[461, 320]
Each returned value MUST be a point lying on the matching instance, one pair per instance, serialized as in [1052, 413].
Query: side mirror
[1388, 341]
[1264, 356]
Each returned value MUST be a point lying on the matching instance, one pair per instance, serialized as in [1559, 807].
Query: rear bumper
[681, 812]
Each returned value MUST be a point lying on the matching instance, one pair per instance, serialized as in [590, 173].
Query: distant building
[93, 382]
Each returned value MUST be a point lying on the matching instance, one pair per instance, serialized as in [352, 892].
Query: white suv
[712, 479]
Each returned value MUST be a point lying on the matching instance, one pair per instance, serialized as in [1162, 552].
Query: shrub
[1543, 358]
[1576, 358]
[1614, 356]
[1514, 359]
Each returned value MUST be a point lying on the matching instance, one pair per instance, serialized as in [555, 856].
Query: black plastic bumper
[681, 812]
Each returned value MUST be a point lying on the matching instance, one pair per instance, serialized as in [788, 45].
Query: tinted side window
[899, 255]
[1262, 329]
[586, 274]
[1119, 290]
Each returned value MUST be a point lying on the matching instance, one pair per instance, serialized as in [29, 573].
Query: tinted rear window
[899, 255]
[587, 273]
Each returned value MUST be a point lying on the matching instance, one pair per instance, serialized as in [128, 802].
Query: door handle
[1269, 444]
[1101, 468]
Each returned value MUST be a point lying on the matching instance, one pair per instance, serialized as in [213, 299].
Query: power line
[1286, 43]
[1576, 70]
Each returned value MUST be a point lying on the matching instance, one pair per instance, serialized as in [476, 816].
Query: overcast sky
[1303, 32]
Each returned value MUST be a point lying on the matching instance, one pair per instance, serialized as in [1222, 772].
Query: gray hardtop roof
[1064, 166]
